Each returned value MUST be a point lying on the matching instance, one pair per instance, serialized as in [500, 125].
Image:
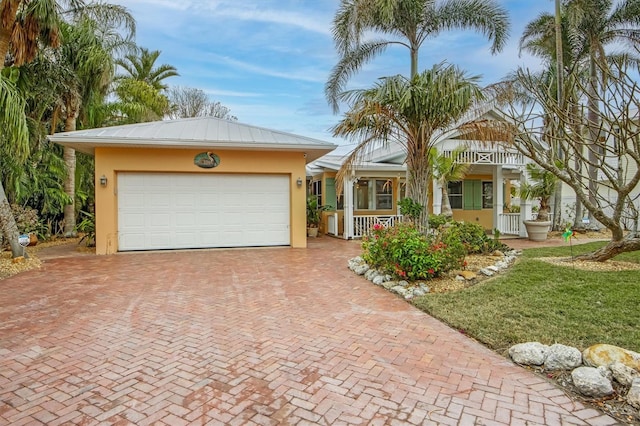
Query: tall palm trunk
[445, 210]
[557, 196]
[8, 225]
[73, 109]
[593, 121]
[418, 177]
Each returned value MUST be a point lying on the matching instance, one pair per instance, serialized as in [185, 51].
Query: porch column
[525, 205]
[347, 192]
[498, 196]
[437, 197]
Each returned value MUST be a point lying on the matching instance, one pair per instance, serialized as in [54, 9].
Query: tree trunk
[6, 30]
[445, 210]
[612, 249]
[418, 178]
[72, 109]
[593, 121]
[557, 207]
[69, 156]
[9, 227]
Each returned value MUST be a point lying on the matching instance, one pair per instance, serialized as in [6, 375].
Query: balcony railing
[489, 157]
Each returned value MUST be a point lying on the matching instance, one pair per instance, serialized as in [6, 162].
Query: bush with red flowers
[406, 253]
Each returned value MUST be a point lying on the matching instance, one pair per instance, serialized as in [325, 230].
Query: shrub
[473, 237]
[27, 220]
[410, 209]
[406, 253]
[438, 220]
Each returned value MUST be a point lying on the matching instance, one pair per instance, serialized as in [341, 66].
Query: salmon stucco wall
[110, 161]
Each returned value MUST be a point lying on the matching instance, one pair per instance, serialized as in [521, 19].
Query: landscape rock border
[409, 290]
[593, 372]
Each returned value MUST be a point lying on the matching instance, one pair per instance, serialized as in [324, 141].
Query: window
[384, 194]
[362, 195]
[471, 195]
[316, 189]
[487, 195]
[455, 194]
[373, 194]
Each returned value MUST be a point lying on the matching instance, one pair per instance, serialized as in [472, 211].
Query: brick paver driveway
[260, 336]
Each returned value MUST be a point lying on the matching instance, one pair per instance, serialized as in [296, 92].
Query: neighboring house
[197, 183]
[371, 194]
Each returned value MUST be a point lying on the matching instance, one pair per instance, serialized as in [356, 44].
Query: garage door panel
[164, 211]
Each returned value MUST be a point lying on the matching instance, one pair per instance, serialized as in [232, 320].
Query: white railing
[509, 223]
[362, 225]
[332, 224]
[489, 157]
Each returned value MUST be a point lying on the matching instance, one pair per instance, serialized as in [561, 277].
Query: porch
[508, 224]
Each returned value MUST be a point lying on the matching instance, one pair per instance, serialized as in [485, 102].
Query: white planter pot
[312, 232]
[537, 231]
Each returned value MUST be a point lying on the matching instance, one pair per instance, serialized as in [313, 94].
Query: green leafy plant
[542, 187]
[473, 237]
[406, 253]
[438, 220]
[410, 209]
[87, 226]
[314, 211]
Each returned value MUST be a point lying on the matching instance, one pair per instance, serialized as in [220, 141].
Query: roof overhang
[88, 145]
[193, 133]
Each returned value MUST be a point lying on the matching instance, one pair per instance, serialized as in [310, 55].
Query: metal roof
[196, 132]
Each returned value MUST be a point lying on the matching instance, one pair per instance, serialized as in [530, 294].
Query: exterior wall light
[103, 180]
[299, 182]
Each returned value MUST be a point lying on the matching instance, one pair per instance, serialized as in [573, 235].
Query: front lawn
[539, 301]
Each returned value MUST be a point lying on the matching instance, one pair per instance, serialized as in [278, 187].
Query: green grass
[537, 301]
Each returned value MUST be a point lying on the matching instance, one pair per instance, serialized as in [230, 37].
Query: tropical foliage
[406, 111]
[407, 253]
[410, 113]
[58, 73]
[594, 153]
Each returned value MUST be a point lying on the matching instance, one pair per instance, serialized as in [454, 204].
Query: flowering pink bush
[406, 253]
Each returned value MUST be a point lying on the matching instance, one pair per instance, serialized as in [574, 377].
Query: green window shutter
[330, 194]
[472, 194]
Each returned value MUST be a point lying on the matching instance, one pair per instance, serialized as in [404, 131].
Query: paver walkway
[259, 336]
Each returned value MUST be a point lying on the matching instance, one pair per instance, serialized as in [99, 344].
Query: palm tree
[407, 23]
[447, 169]
[542, 188]
[14, 142]
[548, 38]
[408, 112]
[142, 67]
[595, 24]
[88, 54]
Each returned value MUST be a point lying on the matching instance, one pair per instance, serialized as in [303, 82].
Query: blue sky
[268, 60]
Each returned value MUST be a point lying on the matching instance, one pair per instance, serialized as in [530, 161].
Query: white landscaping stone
[361, 270]
[633, 397]
[530, 353]
[378, 280]
[623, 374]
[561, 357]
[590, 382]
[486, 272]
[370, 274]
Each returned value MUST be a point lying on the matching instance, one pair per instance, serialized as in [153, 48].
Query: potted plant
[542, 187]
[313, 215]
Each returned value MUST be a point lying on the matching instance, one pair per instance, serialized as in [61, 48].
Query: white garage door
[177, 211]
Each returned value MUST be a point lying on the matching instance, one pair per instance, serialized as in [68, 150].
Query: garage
[182, 211]
[193, 183]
